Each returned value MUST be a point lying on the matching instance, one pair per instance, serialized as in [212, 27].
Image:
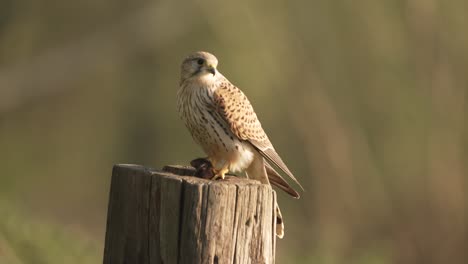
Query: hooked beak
[211, 70]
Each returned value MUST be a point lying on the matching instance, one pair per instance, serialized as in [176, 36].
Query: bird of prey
[223, 122]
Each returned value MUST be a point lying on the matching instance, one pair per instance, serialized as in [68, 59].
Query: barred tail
[279, 222]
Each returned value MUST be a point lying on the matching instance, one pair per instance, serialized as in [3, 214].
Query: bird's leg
[220, 173]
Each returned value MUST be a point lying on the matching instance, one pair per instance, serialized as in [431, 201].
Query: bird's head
[198, 64]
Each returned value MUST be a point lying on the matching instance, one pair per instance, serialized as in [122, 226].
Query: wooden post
[170, 217]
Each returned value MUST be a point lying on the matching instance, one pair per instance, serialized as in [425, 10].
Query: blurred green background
[365, 101]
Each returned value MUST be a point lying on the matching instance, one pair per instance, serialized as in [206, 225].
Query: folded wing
[235, 110]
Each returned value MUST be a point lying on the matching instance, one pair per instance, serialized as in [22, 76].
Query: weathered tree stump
[170, 217]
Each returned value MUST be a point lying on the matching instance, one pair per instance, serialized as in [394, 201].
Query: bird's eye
[200, 61]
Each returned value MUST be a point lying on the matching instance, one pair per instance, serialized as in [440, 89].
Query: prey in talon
[203, 168]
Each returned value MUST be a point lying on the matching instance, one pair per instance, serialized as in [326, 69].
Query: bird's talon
[220, 174]
[216, 177]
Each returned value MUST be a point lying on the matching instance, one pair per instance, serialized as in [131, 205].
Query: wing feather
[235, 109]
[271, 156]
[275, 179]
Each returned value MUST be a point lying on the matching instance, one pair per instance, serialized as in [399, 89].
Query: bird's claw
[219, 174]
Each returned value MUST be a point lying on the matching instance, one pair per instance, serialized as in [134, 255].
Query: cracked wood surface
[168, 216]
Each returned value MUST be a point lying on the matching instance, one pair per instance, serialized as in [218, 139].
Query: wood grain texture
[170, 217]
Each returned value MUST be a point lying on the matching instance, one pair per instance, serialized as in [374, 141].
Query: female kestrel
[222, 121]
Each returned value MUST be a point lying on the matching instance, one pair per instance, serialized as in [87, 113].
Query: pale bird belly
[223, 148]
[236, 158]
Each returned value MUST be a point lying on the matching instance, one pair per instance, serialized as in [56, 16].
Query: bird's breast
[211, 131]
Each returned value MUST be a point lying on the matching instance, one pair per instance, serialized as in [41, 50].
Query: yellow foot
[219, 174]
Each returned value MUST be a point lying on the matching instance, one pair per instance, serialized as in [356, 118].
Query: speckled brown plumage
[223, 122]
[236, 110]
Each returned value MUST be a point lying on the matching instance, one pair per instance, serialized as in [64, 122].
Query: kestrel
[223, 122]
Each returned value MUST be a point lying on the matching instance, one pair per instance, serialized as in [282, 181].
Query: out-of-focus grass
[366, 101]
[24, 240]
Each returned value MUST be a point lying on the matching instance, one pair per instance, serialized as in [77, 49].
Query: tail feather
[279, 182]
[279, 223]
